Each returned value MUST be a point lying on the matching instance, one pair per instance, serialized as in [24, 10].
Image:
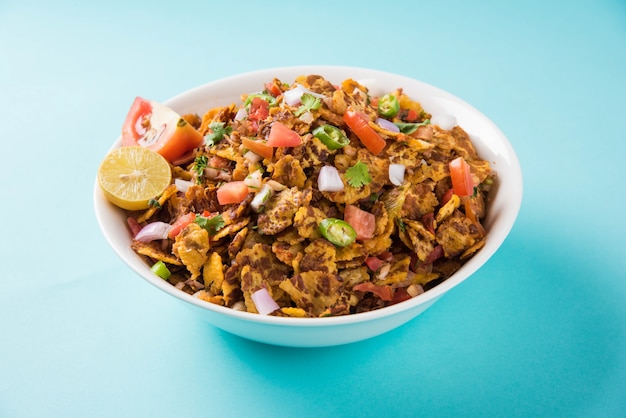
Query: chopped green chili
[339, 232]
[331, 136]
[388, 105]
[160, 269]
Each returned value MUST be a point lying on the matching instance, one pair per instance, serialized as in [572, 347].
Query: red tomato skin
[461, 175]
[364, 223]
[133, 130]
[259, 109]
[232, 192]
[282, 136]
[383, 292]
[359, 124]
[180, 224]
[374, 263]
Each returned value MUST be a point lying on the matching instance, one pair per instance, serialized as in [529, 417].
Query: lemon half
[130, 176]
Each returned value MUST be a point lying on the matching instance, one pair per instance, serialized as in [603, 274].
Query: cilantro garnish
[401, 224]
[308, 102]
[358, 175]
[212, 225]
[154, 203]
[216, 133]
[409, 128]
[200, 164]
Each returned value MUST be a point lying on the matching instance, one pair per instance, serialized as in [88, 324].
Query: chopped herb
[154, 203]
[401, 224]
[216, 133]
[409, 128]
[308, 102]
[212, 225]
[271, 100]
[200, 164]
[374, 197]
[358, 175]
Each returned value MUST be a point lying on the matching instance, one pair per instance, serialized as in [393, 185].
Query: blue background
[539, 331]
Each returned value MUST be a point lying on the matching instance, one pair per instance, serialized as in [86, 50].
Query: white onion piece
[293, 97]
[252, 157]
[307, 117]
[241, 114]
[259, 200]
[153, 231]
[276, 186]
[329, 180]
[182, 185]
[254, 179]
[444, 121]
[396, 174]
[264, 302]
[387, 124]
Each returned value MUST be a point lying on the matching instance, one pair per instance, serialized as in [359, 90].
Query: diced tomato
[232, 192]
[359, 124]
[258, 147]
[386, 256]
[411, 115]
[151, 125]
[364, 223]
[273, 89]
[181, 223]
[434, 255]
[281, 136]
[462, 182]
[383, 292]
[374, 263]
[259, 109]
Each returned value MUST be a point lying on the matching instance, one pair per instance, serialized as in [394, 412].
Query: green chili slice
[331, 136]
[337, 231]
[388, 105]
[160, 269]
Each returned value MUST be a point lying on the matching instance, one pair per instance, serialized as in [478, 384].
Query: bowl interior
[490, 142]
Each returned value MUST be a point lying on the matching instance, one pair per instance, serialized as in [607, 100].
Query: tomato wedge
[359, 124]
[282, 136]
[180, 224]
[364, 223]
[462, 183]
[151, 125]
[232, 192]
[258, 147]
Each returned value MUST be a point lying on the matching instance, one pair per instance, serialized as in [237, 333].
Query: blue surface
[540, 331]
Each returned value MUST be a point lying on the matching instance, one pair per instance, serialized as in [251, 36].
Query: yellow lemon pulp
[130, 176]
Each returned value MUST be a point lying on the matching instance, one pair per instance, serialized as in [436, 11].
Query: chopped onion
[329, 180]
[293, 97]
[183, 185]
[276, 186]
[264, 302]
[259, 200]
[384, 271]
[241, 114]
[387, 124]
[153, 231]
[252, 157]
[444, 121]
[396, 174]
[307, 117]
[254, 180]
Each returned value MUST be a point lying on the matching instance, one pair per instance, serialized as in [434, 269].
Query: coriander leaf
[212, 225]
[200, 164]
[154, 203]
[217, 130]
[409, 128]
[358, 175]
[308, 102]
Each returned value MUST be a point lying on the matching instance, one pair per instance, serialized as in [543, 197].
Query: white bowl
[503, 208]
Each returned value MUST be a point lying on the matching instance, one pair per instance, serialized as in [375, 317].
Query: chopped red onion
[387, 124]
[396, 174]
[329, 180]
[183, 185]
[153, 231]
[264, 302]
